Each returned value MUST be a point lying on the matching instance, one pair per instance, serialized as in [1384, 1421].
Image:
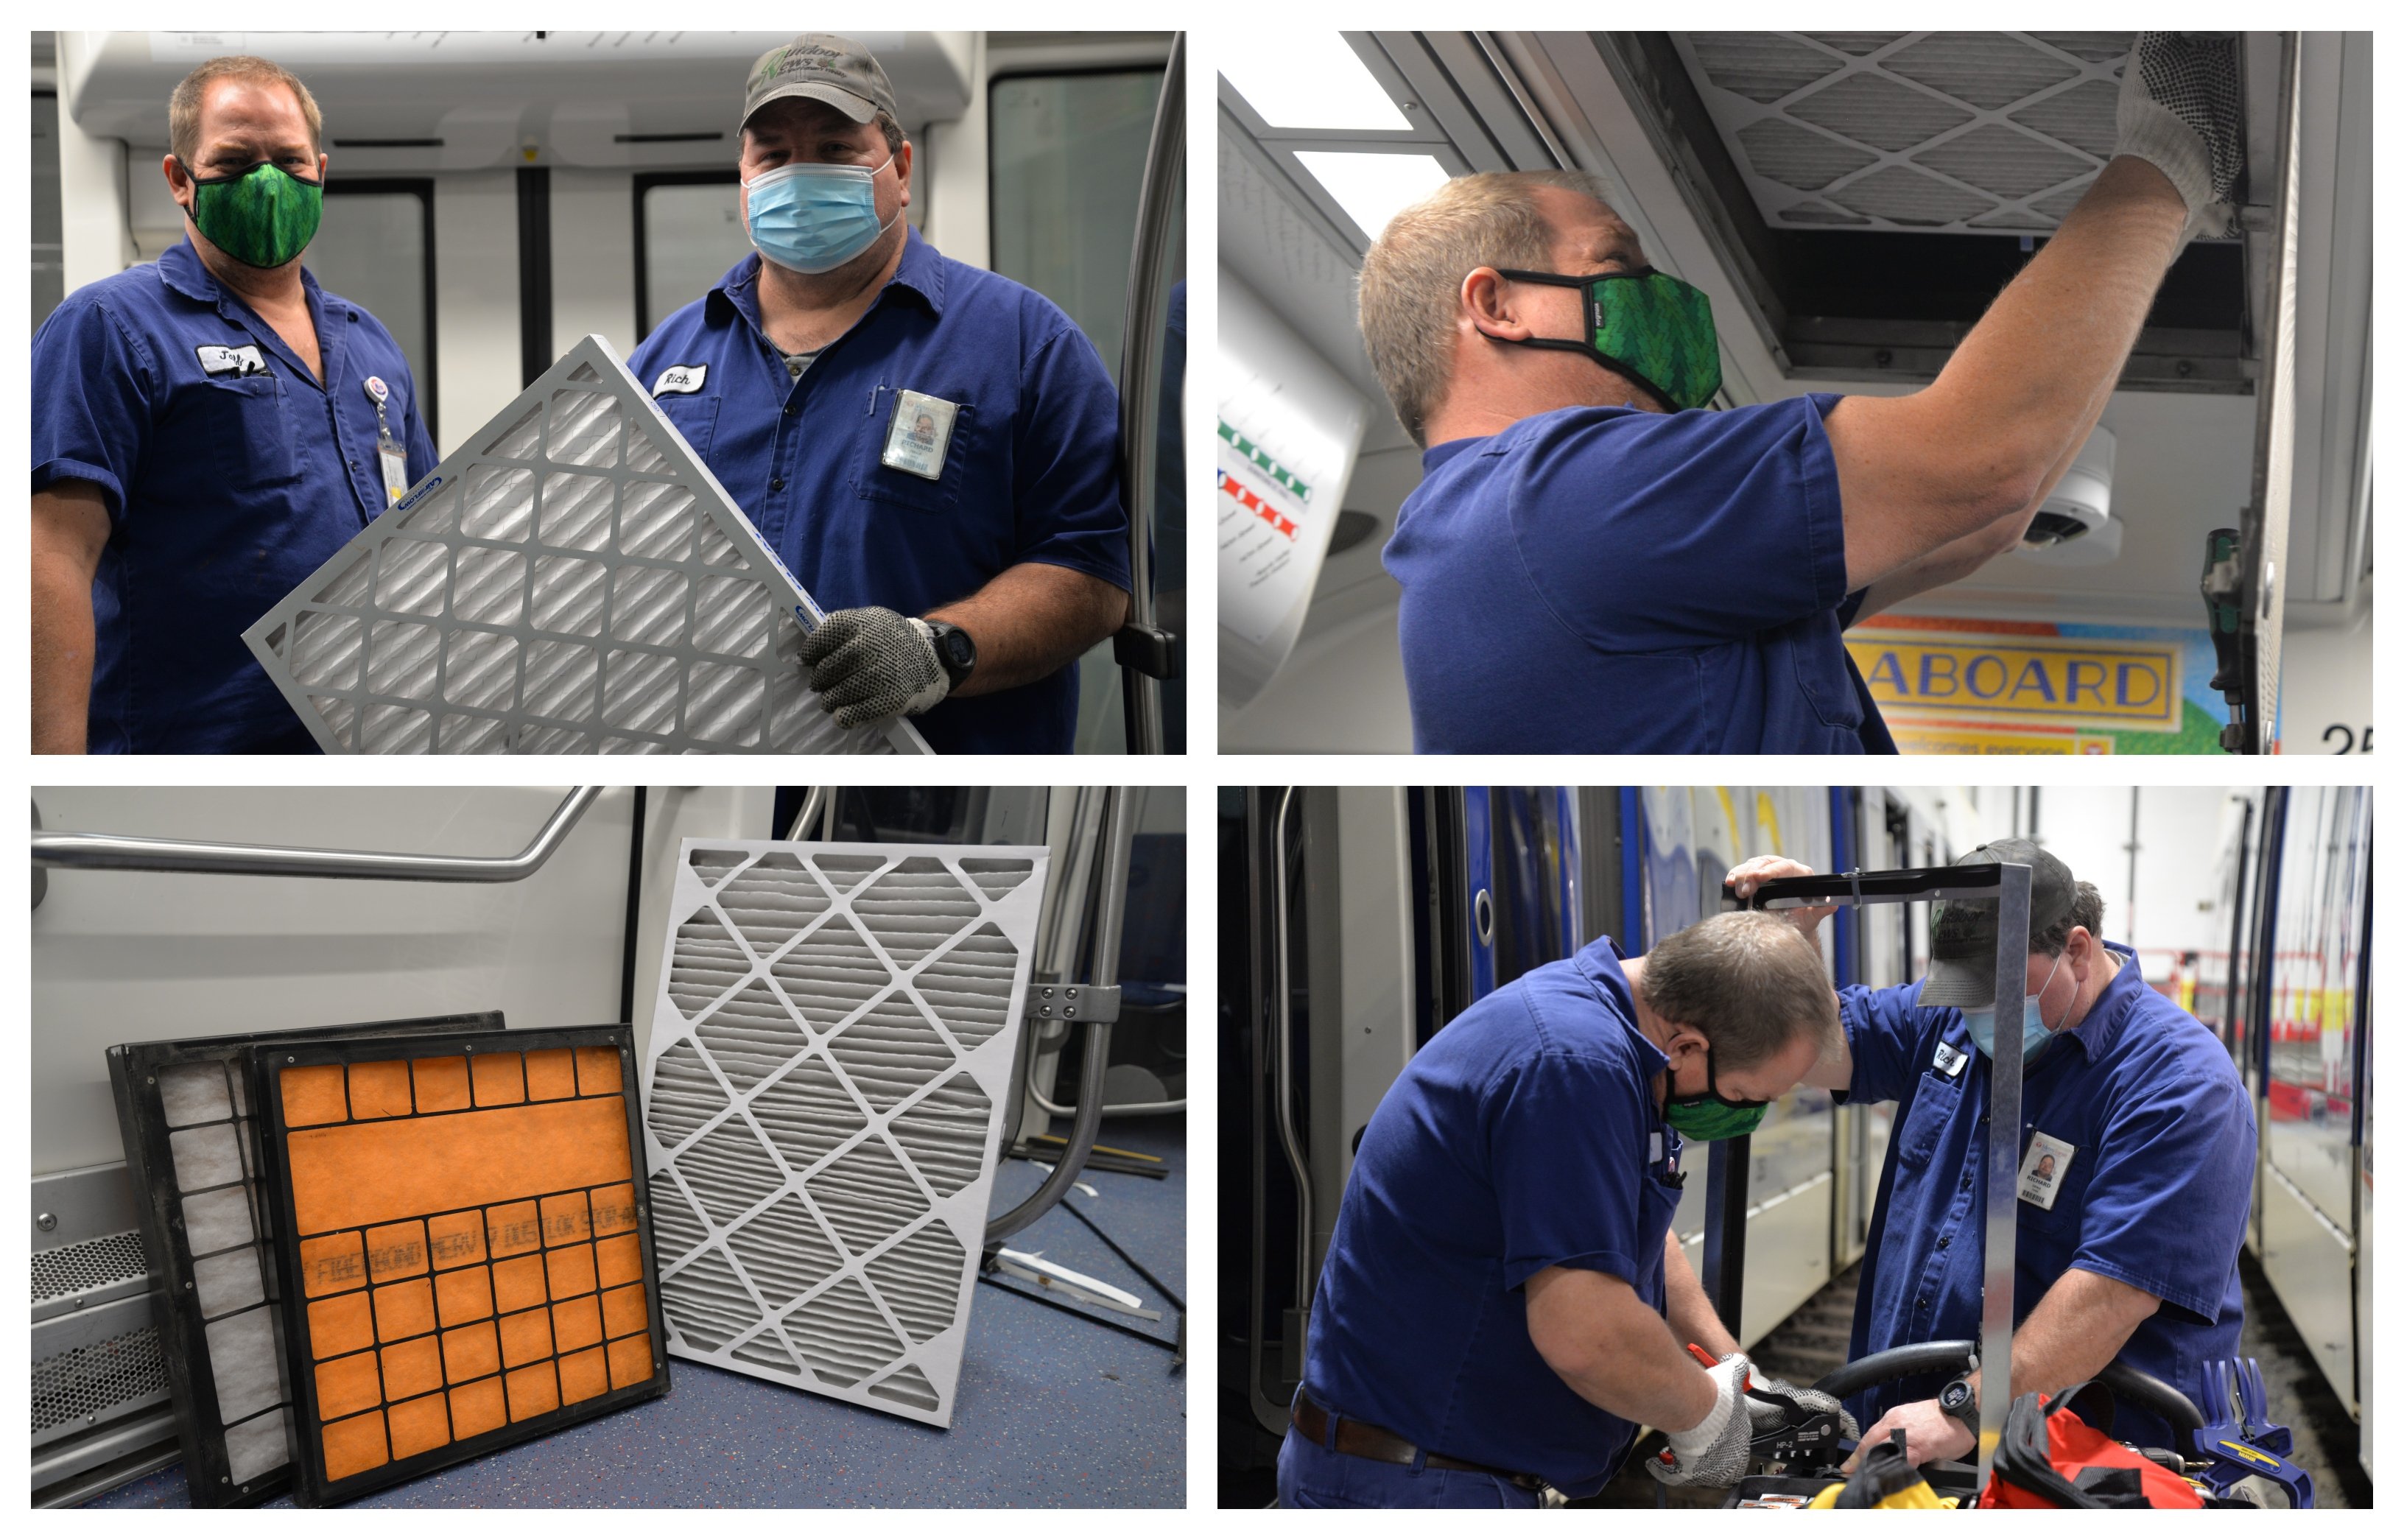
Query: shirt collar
[1600, 962]
[2113, 1006]
[180, 267]
[921, 274]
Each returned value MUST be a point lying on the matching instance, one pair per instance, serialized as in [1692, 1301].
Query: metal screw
[1047, 991]
[1068, 1010]
[225, 1480]
[187, 1283]
[290, 1059]
[154, 1080]
[76, 1304]
[46, 1222]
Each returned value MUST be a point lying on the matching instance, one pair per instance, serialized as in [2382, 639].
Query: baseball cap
[1962, 946]
[824, 67]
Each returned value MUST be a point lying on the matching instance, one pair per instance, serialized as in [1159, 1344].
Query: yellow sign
[1916, 738]
[2026, 681]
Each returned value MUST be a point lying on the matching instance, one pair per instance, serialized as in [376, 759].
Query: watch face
[957, 650]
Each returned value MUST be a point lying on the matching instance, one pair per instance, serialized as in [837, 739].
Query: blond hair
[184, 105]
[1410, 281]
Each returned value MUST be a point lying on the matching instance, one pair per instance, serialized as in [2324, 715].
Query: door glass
[692, 233]
[49, 271]
[370, 249]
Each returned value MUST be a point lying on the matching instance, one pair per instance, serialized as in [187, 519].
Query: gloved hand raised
[2181, 111]
[1715, 1452]
[870, 663]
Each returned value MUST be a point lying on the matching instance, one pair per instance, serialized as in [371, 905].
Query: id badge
[395, 473]
[920, 434]
[2044, 1170]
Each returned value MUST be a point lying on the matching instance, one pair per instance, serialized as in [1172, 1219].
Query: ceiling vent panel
[192, 1157]
[470, 1266]
[572, 581]
[1837, 128]
[833, 1041]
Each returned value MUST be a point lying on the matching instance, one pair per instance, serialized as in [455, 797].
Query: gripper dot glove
[1811, 1400]
[2182, 110]
[1716, 1452]
[870, 663]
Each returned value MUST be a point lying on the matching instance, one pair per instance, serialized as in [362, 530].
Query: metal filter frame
[776, 1180]
[573, 579]
[310, 1486]
[133, 1070]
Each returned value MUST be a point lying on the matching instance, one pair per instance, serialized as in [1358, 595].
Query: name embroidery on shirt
[236, 361]
[681, 380]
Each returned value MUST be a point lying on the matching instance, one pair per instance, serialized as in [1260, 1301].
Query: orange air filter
[467, 1255]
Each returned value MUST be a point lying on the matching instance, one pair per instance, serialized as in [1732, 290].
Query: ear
[1487, 298]
[176, 181]
[322, 163]
[903, 159]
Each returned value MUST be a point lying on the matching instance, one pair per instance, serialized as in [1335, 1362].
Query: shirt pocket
[1937, 1102]
[693, 417]
[882, 484]
[249, 426]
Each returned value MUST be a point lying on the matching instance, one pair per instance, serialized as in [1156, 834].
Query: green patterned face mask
[263, 215]
[1648, 326]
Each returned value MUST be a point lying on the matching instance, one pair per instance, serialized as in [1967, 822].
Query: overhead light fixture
[1311, 80]
[572, 581]
[467, 1256]
[1371, 188]
[191, 1154]
[829, 1061]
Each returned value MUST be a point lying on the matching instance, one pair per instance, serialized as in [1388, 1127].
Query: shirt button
[1920, 1302]
[790, 408]
[355, 465]
[777, 486]
[1966, 1184]
[1944, 1242]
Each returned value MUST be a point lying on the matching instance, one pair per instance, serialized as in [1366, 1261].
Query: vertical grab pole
[1142, 651]
[2003, 1166]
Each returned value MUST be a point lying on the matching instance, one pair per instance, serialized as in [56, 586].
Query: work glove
[2181, 111]
[1716, 1452]
[1810, 1400]
[868, 664]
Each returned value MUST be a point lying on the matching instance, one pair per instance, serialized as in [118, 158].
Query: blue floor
[1052, 1412]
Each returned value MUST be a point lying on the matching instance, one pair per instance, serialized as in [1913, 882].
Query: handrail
[1140, 390]
[1305, 1275]
[136, 853]
[813, 799]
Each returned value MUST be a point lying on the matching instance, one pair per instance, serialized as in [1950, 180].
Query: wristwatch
[954, 648]
[1959, 1401]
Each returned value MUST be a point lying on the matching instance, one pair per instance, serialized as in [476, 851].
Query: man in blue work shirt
[2127, 1239]
[1594, 564]
[931, 448]
[1504, 1300]
[208, 431]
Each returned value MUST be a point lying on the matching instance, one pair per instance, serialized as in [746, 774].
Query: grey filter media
[830, 1059]
[573, 581]
[1978, 133]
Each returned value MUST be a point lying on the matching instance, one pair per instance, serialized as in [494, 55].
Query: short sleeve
[92, 402]
[2166, 1203]
[1646, 531]
[1567, 1141]
[1883, 1029]
[1066, 451]
[419, 444]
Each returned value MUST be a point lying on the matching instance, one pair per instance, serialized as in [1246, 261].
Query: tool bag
[2054, 1457]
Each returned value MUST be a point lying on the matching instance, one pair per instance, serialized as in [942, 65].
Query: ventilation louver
[191, 1154]
[573, 581]
[469, 1262]
[1978, 133]
[829, 1063]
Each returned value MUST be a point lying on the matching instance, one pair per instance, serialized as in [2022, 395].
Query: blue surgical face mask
[2033, 1034]
[814, 217]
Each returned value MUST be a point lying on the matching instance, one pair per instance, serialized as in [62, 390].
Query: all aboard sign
[1961, 686]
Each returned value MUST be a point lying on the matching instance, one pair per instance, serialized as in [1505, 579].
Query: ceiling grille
[830, 1055]
[1977, 132]
[574, 581]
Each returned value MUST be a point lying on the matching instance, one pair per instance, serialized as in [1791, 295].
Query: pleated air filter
[470, 1260]
[1977, 132]
[829, 1060]
[191, 1152]
[573, 581]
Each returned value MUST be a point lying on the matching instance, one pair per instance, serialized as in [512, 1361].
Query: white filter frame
[819, 918]
[572, 579]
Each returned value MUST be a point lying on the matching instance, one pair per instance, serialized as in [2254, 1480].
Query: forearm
[1690, 1314]
[62, 650]
[1030, 621]
[1615, 1351]
[2080, 1325]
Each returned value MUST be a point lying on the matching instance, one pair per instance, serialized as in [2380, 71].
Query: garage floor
[1053, 1411]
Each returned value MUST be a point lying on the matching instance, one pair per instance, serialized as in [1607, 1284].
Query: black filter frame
[150, 1164]
[311, 1488]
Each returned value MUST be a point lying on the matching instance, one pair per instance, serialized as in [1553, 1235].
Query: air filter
[191, 1154]
[829, 1056]
[1977, 132]
[469, 1262]
[574, 581]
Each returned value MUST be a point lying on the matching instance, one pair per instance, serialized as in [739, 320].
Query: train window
[48, 237]
[1530, 881]
[376, 246]
[688, 231]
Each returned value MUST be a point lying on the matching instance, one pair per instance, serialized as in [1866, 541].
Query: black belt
[1367, 1441]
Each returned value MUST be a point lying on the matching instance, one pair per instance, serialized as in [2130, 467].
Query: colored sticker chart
[1270, 498]
[470, 1257]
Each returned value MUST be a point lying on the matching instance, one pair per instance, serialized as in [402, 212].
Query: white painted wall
[2178, 849]
[2325, 684]
[129, 957]
[591, 257]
